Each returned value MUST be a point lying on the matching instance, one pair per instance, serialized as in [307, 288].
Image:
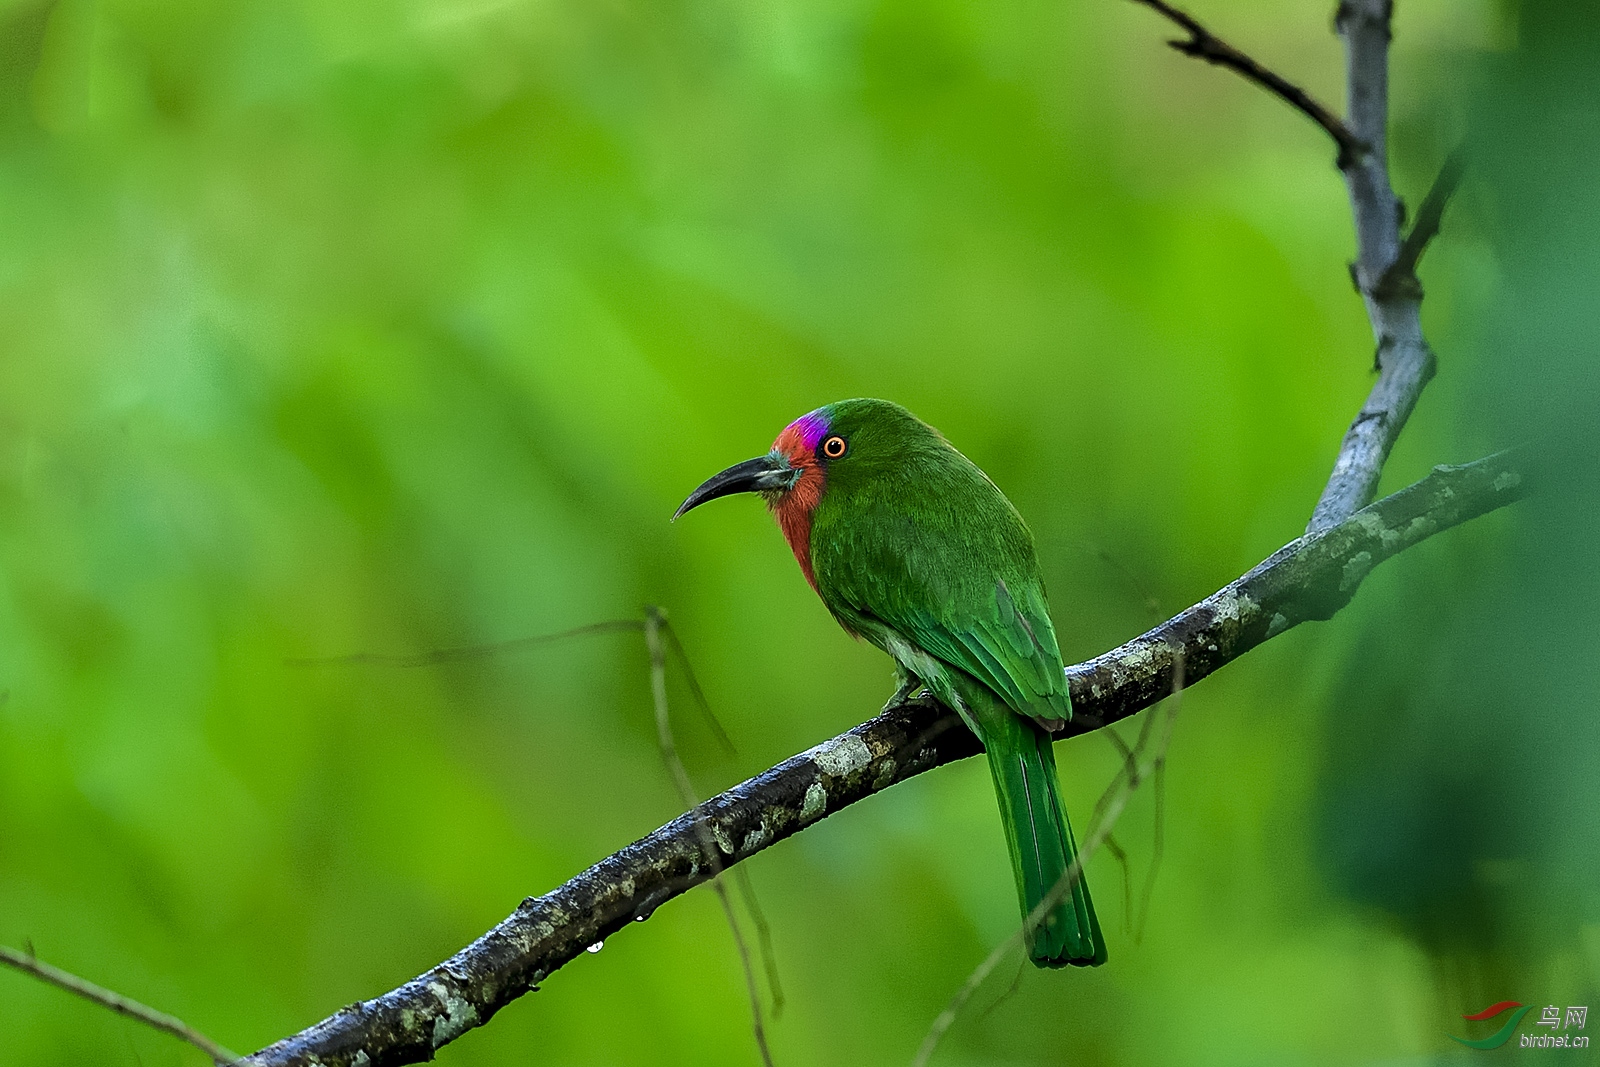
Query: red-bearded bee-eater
[912, 547]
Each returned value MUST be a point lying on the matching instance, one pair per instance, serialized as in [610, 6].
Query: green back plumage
[915, 549]
[910, 532]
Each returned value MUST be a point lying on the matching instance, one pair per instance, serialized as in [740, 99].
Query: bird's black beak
[764, 474]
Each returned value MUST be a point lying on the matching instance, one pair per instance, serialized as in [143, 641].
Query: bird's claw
[902, 695]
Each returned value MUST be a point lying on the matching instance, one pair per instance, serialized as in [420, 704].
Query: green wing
[959, 580]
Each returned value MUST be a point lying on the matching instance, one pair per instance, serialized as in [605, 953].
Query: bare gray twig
[468, 652]
[1203, 44]
[1401, 276]
[1312, 577]
[159, 1020]
[1403, 359]
[1120, 854]
[698, 693]
[1134, 920]
[769, 957]
[1157, 848]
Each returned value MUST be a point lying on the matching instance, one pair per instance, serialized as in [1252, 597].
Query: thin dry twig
[1130, 764]
[655, 621]
[695, 691]
[1148, 600]
[769, 957]
[747, 889]
[1120, 854]
[27, 963]
[1011, 990]
[1133, 921]
[495, 648]
[1401, 275]
[468, 652]
[1203, 44]
[1157, 848]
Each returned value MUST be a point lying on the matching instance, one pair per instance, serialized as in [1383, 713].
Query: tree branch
[1312, 577]
[1203, 44]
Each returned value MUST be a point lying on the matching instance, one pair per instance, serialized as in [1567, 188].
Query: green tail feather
[1040, 839]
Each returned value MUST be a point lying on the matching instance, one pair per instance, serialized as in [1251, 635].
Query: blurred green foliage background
[395, 326]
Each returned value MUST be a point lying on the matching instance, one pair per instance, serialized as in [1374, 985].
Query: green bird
[912, 547]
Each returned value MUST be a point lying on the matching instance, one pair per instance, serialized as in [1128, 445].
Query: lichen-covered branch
[1309, 578]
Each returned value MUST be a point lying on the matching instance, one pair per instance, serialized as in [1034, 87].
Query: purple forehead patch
[809, 428]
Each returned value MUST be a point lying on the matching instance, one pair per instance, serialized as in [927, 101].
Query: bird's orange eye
[833, 447]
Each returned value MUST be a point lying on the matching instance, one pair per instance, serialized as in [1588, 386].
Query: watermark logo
[1561, 1024]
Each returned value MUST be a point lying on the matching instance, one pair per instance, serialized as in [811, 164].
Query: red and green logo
[1500, 1036]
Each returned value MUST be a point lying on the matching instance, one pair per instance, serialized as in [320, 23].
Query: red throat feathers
[793, 509]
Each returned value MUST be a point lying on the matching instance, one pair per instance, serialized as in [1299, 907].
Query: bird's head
[845, 441]
[858, 444]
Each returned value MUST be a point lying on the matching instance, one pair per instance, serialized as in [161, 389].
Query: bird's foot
[902, 694]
